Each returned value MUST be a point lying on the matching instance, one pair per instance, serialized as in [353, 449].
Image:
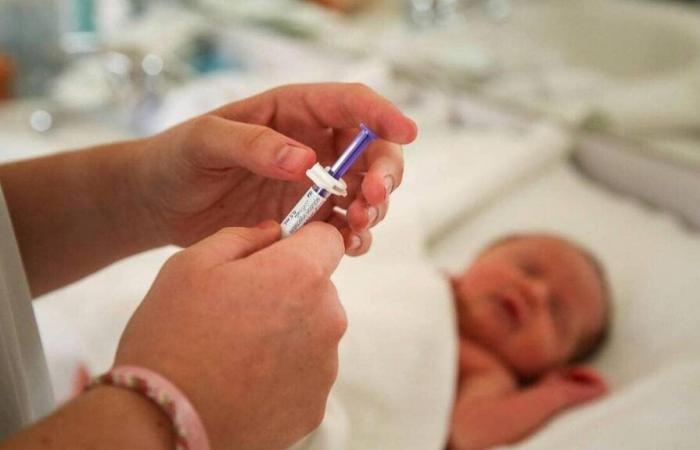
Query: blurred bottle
[345, 5]
[430, 12]
[29, 33]
[6, 76]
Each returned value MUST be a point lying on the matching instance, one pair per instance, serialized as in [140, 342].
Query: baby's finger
[578, 393]
[585, 375]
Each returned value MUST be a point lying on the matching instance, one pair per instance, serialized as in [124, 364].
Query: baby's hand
[481, 422]
[574, 385]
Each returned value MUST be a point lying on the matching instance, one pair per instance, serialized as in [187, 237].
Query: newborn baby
[527, 308]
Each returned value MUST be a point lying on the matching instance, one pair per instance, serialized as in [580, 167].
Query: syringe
[326, 182]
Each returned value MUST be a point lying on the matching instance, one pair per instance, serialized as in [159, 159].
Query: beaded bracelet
[189, 430]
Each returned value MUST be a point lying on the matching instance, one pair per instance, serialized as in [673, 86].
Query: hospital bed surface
[399, 336]
[651, 359]
[397, 359]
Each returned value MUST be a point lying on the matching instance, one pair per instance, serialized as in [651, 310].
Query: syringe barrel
[316, 196]
[306, 207]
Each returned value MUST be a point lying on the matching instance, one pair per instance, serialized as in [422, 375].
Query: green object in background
[84, 15]
[596, 121]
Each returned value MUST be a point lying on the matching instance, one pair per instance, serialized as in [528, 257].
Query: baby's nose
[537, 293]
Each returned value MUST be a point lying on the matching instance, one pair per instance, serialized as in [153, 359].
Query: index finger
[329, 105]
[317, 245]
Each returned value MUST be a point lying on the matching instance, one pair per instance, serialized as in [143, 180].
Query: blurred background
[629, 68]
[589, 109]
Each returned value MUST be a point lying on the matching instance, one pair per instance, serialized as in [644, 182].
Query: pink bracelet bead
[189, 430]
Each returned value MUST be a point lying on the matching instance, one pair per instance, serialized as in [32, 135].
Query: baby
[527, 307]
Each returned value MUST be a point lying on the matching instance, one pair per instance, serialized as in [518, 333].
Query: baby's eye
[530, 269]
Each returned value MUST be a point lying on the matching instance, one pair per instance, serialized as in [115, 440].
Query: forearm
[76, 212]
[483, 423]
[105, 418]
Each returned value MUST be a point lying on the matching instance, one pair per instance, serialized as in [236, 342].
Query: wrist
[105, 418]
[140, 226]
[185, 422]
[132, 418]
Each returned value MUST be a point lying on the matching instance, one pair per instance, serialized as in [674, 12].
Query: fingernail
[292, 159]
[342, 212]
[371, 215]
[388, 185]
[355, 242]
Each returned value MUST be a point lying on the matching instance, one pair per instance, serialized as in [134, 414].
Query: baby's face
[530, 301]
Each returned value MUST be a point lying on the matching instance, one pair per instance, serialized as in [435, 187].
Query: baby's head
[536, 301]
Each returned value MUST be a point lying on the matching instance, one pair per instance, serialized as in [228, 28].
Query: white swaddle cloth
[398, 359]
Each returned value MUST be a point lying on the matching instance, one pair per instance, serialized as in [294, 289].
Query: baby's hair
[589, 345]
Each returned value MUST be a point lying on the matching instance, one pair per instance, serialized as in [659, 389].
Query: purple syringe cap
[366, 129]
[353, 151]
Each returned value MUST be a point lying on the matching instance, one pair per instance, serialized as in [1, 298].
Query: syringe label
[305, 209]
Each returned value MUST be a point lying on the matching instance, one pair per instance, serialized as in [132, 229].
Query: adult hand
[246, 162]
[248, 329]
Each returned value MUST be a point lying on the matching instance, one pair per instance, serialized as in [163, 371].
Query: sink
[621, 39]
[629, 67]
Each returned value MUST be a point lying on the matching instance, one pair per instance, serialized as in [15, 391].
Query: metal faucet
[426, 13]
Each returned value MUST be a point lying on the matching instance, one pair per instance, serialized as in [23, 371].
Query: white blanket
[659, 411]
[395, 389]
[387, 397]
[651, 360]
[398, 358]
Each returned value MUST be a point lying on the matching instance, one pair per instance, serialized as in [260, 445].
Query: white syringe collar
[325, 180]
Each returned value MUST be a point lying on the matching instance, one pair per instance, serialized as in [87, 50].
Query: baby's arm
[480, 422]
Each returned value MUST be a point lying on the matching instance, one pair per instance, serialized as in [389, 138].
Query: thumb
[316, 244]
[218, 143]
[229, 244]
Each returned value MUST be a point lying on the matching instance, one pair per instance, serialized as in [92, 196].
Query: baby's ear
[449, 276]
[454, 283]
[445, 272]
